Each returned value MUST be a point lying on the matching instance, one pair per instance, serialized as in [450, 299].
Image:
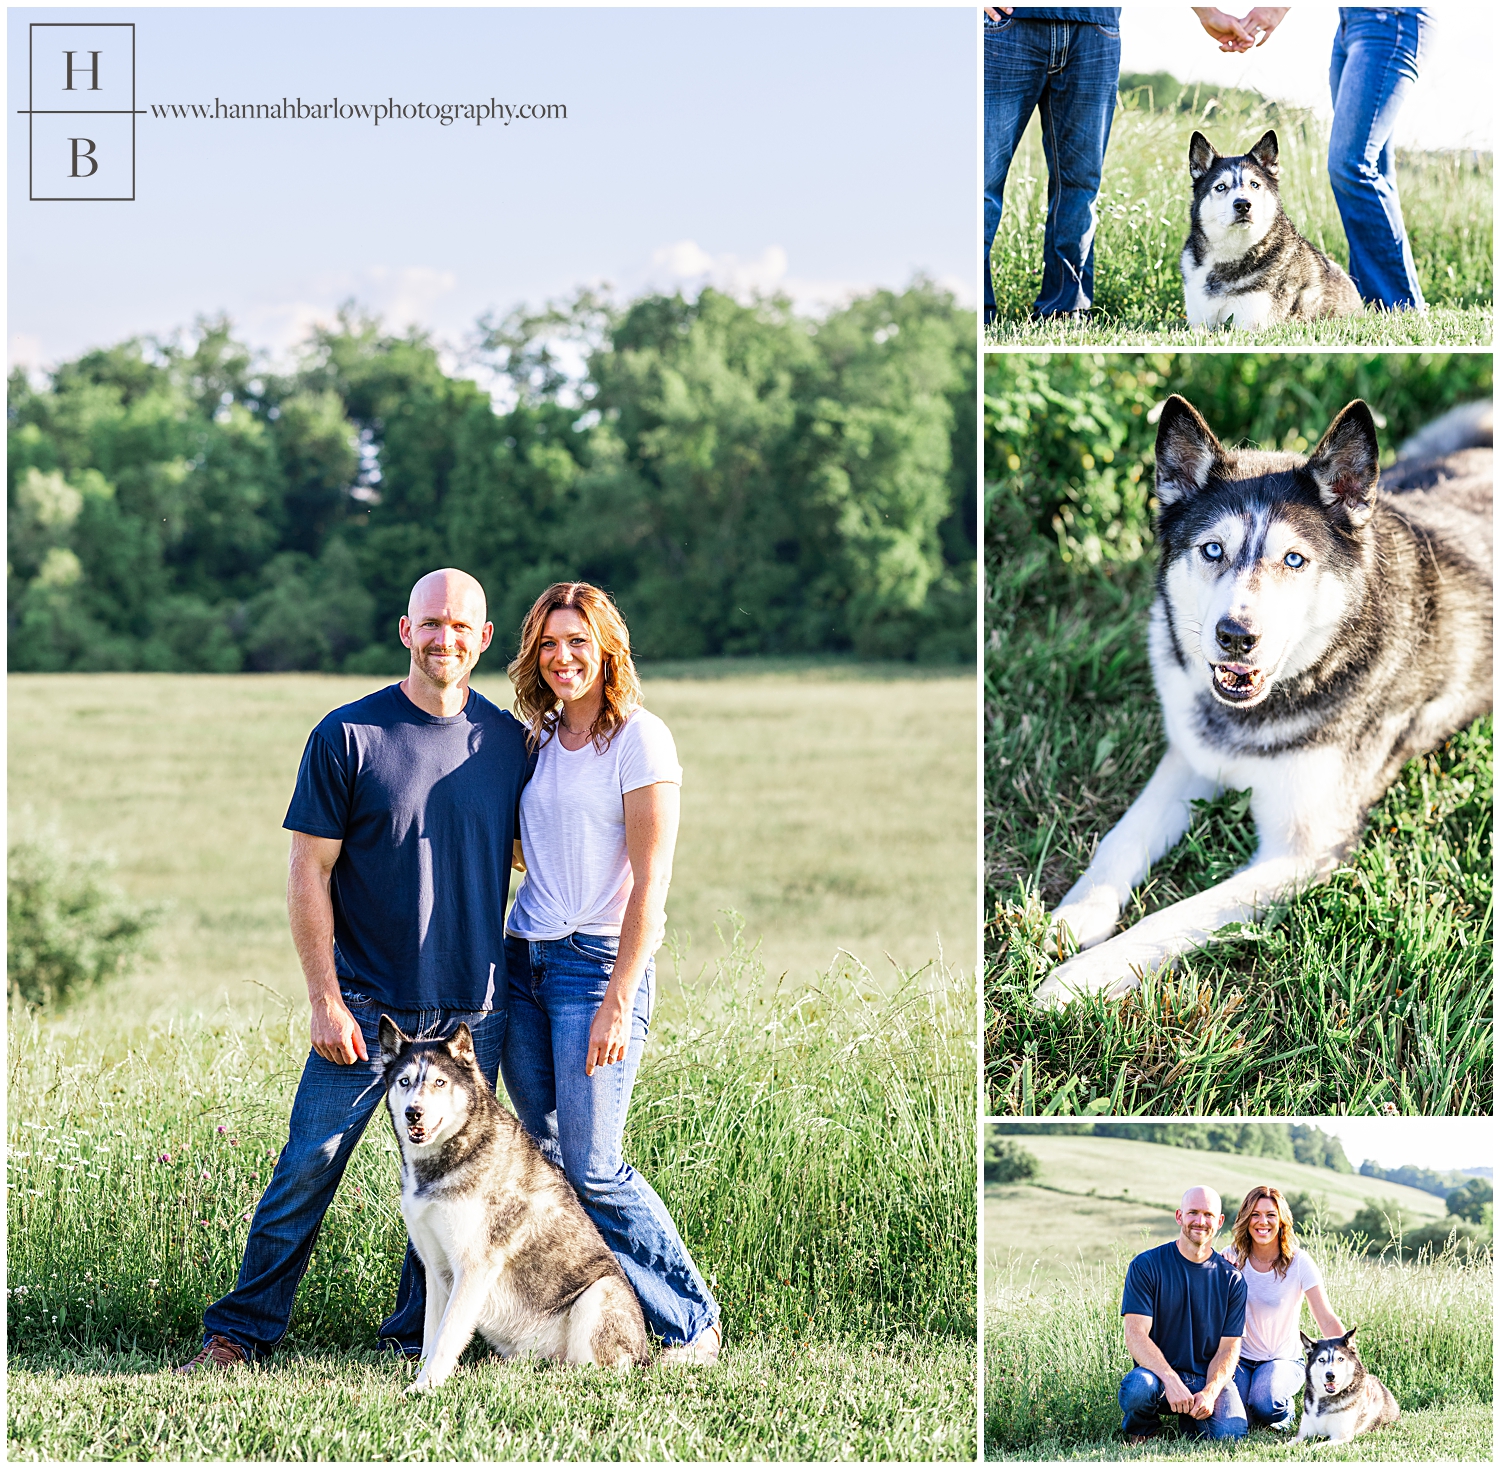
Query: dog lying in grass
[1341, 1399]
[1313, 629]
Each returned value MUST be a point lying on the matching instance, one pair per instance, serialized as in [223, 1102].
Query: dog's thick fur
[1244, 258]
[507, 1247]
[1341, 1399]
[1311, 632]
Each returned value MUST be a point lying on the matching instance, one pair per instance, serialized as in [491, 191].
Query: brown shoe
[218, 1351]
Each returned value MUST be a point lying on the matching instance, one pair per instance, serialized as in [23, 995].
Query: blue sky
[819, 152]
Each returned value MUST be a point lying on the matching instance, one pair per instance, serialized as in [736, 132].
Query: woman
[598, 827]
[1277, 1274]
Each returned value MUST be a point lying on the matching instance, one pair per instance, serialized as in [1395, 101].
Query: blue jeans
[1143, 1400]
[1376, 55]
[556, 986]
[1270, 1390]
[332, 1107]
[1070, 71]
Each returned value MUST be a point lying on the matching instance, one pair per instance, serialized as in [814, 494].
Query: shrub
[1008, 1162]
[67, 926]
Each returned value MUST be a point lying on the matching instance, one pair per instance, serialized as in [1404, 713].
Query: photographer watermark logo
[81, 110]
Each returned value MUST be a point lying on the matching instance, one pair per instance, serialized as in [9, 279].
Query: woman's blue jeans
[1270, 1390]
[332, 1108]
[1069, 70]
[556, 985]
[1376, 56]
[1143, 1400]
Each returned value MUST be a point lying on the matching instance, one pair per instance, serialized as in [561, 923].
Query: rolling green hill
[1097, 1194]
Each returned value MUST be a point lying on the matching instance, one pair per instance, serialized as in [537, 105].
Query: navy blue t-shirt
[427, 809]
[1190, 1306]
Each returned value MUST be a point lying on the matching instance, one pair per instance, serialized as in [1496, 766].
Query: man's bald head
[447, 628]
[448, 587]
[1200, 1197]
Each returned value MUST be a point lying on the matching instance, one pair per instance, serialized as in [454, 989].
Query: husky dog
[1311, 632]
[1341, 1399]
[505, 1243]
[1244, 258]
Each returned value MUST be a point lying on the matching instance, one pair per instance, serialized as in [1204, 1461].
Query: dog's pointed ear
[1185, 451]
[1346, 464]
[1265, 153]
[1201, 156]
[1348, 1336]
[392, 1039]
[1307, 1342]
[461, 1043]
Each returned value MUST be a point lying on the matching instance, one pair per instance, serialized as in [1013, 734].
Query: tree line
[1290, 1142]
[744, 480]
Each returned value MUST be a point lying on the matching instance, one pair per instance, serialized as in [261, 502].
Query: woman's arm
[651, 814]
[1328, 1323]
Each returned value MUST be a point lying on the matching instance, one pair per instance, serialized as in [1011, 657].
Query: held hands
[1243, 33]
[609, 1034]
[1203, 1402]
[336, 1035]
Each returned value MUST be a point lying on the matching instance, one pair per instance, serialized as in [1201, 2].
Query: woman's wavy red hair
[537, 707]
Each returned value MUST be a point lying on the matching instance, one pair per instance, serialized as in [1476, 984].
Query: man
[1065, 63]
[1184, 1310]
[403, 824]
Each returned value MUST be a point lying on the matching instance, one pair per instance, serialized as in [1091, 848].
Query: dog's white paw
[1090, 919]
[423, 1383]
[1095, 970]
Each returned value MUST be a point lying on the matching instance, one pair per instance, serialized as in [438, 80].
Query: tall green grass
[1054, 1355]
[815, 1146]
[1446, 200]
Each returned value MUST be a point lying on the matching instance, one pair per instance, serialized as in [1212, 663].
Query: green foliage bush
[67, 927]
[743, 480]
[1470, 1201]
[1006, 1161]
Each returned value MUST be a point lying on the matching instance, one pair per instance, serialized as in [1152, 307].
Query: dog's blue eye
[1213, 551]
[405, 1082]
[1221, 188]
[1253, 184]
[1294, 559]
[440, 1082]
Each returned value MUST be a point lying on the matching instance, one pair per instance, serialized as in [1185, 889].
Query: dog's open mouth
[416, 1132]
[1237, 682]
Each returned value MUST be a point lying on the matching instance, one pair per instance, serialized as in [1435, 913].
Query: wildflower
[205, 1173]
[163, 1157]
[221, 1132]
[245, 1216]
[153, 1283]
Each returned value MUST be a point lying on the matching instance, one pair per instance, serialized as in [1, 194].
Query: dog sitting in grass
[1244, 261]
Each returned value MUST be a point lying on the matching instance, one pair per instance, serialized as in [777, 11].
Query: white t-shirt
[1273, 1306]
[578, 876]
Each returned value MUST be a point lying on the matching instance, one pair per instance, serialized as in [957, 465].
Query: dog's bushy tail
[1469, 426]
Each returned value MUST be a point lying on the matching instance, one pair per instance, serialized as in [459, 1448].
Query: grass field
[1446, 199]
[808, 1119]
[1095, 1194]
[1055, 1352]
[1370, 992]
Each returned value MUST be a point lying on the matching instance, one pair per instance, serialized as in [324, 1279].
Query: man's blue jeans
[556, 986]
[1376, 56]
[332, 1107]
[1070, 71]
[1143, 1400]
[1270, 1389]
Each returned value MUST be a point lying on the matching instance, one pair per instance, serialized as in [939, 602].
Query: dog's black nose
[1234, 638]
[413, 1114]
[1242, 207]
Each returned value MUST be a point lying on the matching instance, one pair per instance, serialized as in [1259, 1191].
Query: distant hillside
[1292, 1142]
[1424, 1178]
[1054, 1222]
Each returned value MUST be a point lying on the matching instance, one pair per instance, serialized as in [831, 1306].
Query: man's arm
[1220, 1370]
[1147, 1354]
[336, 1035]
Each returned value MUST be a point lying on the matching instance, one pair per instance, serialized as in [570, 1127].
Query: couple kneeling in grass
[1215, 1336]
